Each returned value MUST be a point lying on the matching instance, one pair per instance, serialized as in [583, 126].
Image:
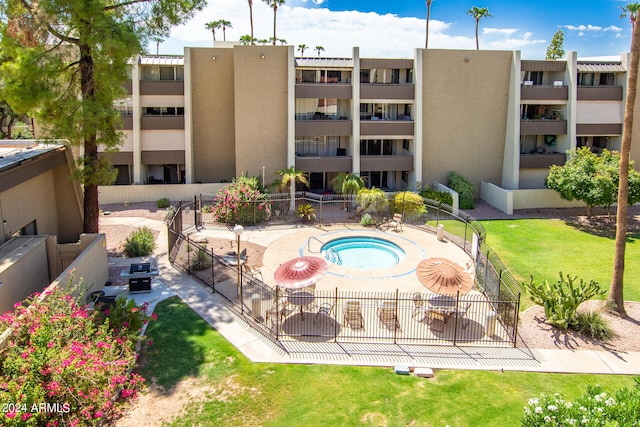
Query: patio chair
[419, 307]
[463, 315]
[325, 309]
[395, 222]
[387, 315]
[437, 319]
[353, 315]
[253, 272]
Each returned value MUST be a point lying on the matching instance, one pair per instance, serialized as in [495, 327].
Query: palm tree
[158, 40]
[371, 199]
[282, 41]
[245, 40]
[426, 39]
[289, 178]
[347, 183]
[478, 13]
[301, 48]
[251, 19]
[274, 4]
[225, 24]
[319, 49]
[615, 299]
[213, 26]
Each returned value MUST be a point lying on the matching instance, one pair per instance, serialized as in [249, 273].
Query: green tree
[288, 179]
[7, 119]
[275, 4]
[213, 26]
[246, 40]
[477, 13]
[251, 19]
[225, 24]
[555, 50]
[615, 299]
[426, 38]
[591, 178]
[65, 63]
[347, 183]
[319, 49]
[371, 199]
[301, 48]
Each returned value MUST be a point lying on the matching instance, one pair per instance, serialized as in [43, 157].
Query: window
[585, 79]
[607, 79]
[405, 144]
[409, 78]
[166, 73]
[395, 76]
[163, 111]
[364, 76]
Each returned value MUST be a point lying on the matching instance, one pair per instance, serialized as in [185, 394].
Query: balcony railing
[387, 91]
[386, 127]
[340, 127]
[161, 87]
[543, 127]
[324, 90]
[541, 161]
[540, 93]
[324, 164]
[599, 93]
[387, 163]
[161, 122]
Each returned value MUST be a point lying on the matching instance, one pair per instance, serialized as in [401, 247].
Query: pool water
[364, 253]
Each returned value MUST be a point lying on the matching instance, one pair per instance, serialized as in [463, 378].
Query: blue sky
[395, 28]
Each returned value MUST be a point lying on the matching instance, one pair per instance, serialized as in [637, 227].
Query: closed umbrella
[444, 277]
[300, 272]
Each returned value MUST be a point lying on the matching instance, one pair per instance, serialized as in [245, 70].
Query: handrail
[332, 251]
[309, 243]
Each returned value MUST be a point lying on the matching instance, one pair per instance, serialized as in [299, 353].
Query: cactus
[562, 298]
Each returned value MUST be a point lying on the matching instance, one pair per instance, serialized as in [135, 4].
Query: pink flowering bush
[62, 366]
[242, 202]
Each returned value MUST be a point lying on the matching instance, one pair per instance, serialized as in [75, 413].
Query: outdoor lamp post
[238, 230]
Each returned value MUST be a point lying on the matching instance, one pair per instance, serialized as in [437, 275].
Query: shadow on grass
[176, 351]
[603, 226]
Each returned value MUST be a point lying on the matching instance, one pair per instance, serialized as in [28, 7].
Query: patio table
[301, 299]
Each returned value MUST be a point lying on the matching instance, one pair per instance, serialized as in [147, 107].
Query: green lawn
[543, 247]
[275, 395]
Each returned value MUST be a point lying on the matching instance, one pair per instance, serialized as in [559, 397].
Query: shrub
[126, 318]
[441, 197]
[206, 209]
[139, 243]
[371, 199]
[464, 189]
[242, 202]
[591, 324]
[201, 260]
[171, 212]
[163, 203]
[59, 355]
[593, 408]
[366, 220]
[306, 212]
[407, 203]
[562, 298]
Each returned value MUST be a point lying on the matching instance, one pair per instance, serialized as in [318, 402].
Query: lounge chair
[387, 315]
[325, 309]
[395, 222]
[419, 308]
[353, 315]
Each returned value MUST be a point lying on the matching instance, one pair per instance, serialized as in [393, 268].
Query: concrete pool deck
[259, 348]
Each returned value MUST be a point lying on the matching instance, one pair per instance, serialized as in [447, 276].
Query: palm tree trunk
[426, 38]
[224, 34]
[477, 42]
[251, 18]
[275, 8]
[292, 194]
[615, 300]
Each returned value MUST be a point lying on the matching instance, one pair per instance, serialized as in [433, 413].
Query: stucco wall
[151, 193]
[212, 112]
[465, 99]
[261, 109]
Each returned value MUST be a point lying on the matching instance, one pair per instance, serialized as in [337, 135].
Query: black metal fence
[392, 317]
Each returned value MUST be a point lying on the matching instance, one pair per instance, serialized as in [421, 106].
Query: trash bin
[256, 307]
[440, 232]
[490, 325]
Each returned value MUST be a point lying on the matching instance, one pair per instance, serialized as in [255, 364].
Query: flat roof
[162, 60]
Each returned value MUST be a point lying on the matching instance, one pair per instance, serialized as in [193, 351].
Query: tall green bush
[562, 298]
[464, 188]
[438, 196]
[241, 202]
[408, 203]
[140, 242]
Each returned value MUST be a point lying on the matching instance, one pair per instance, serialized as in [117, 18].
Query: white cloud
[592, 28]
[505, 31]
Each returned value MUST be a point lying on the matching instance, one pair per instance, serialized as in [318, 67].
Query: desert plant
[562, 298]
[441, 197]
[163, 203]
[591, 324]
[171, 212]
[139, 243]
[200, 260]
[306, 212]
[464, 188]
[366, 220]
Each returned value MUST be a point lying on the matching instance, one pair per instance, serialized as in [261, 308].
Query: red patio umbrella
[444, 277]
[300, 272]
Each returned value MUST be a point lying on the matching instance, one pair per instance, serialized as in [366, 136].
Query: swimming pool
[363, 253]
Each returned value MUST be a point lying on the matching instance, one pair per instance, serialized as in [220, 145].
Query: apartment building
[501, 121]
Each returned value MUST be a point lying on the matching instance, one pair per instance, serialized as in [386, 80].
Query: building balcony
[599, 93]
[606, 129]
[128, 86]
[323, 127]
[387, 91]
[127, 123]
[543, 127]
[386, 163]
[161, 122]
[323, 90]
[544, 93]
[161, 87]
[324, 164]
[542, 161]
[386, 127]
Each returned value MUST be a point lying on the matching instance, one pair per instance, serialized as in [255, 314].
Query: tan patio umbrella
[300, 272]
[443, 276]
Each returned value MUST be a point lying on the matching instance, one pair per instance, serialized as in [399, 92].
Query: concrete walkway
[259, 348]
